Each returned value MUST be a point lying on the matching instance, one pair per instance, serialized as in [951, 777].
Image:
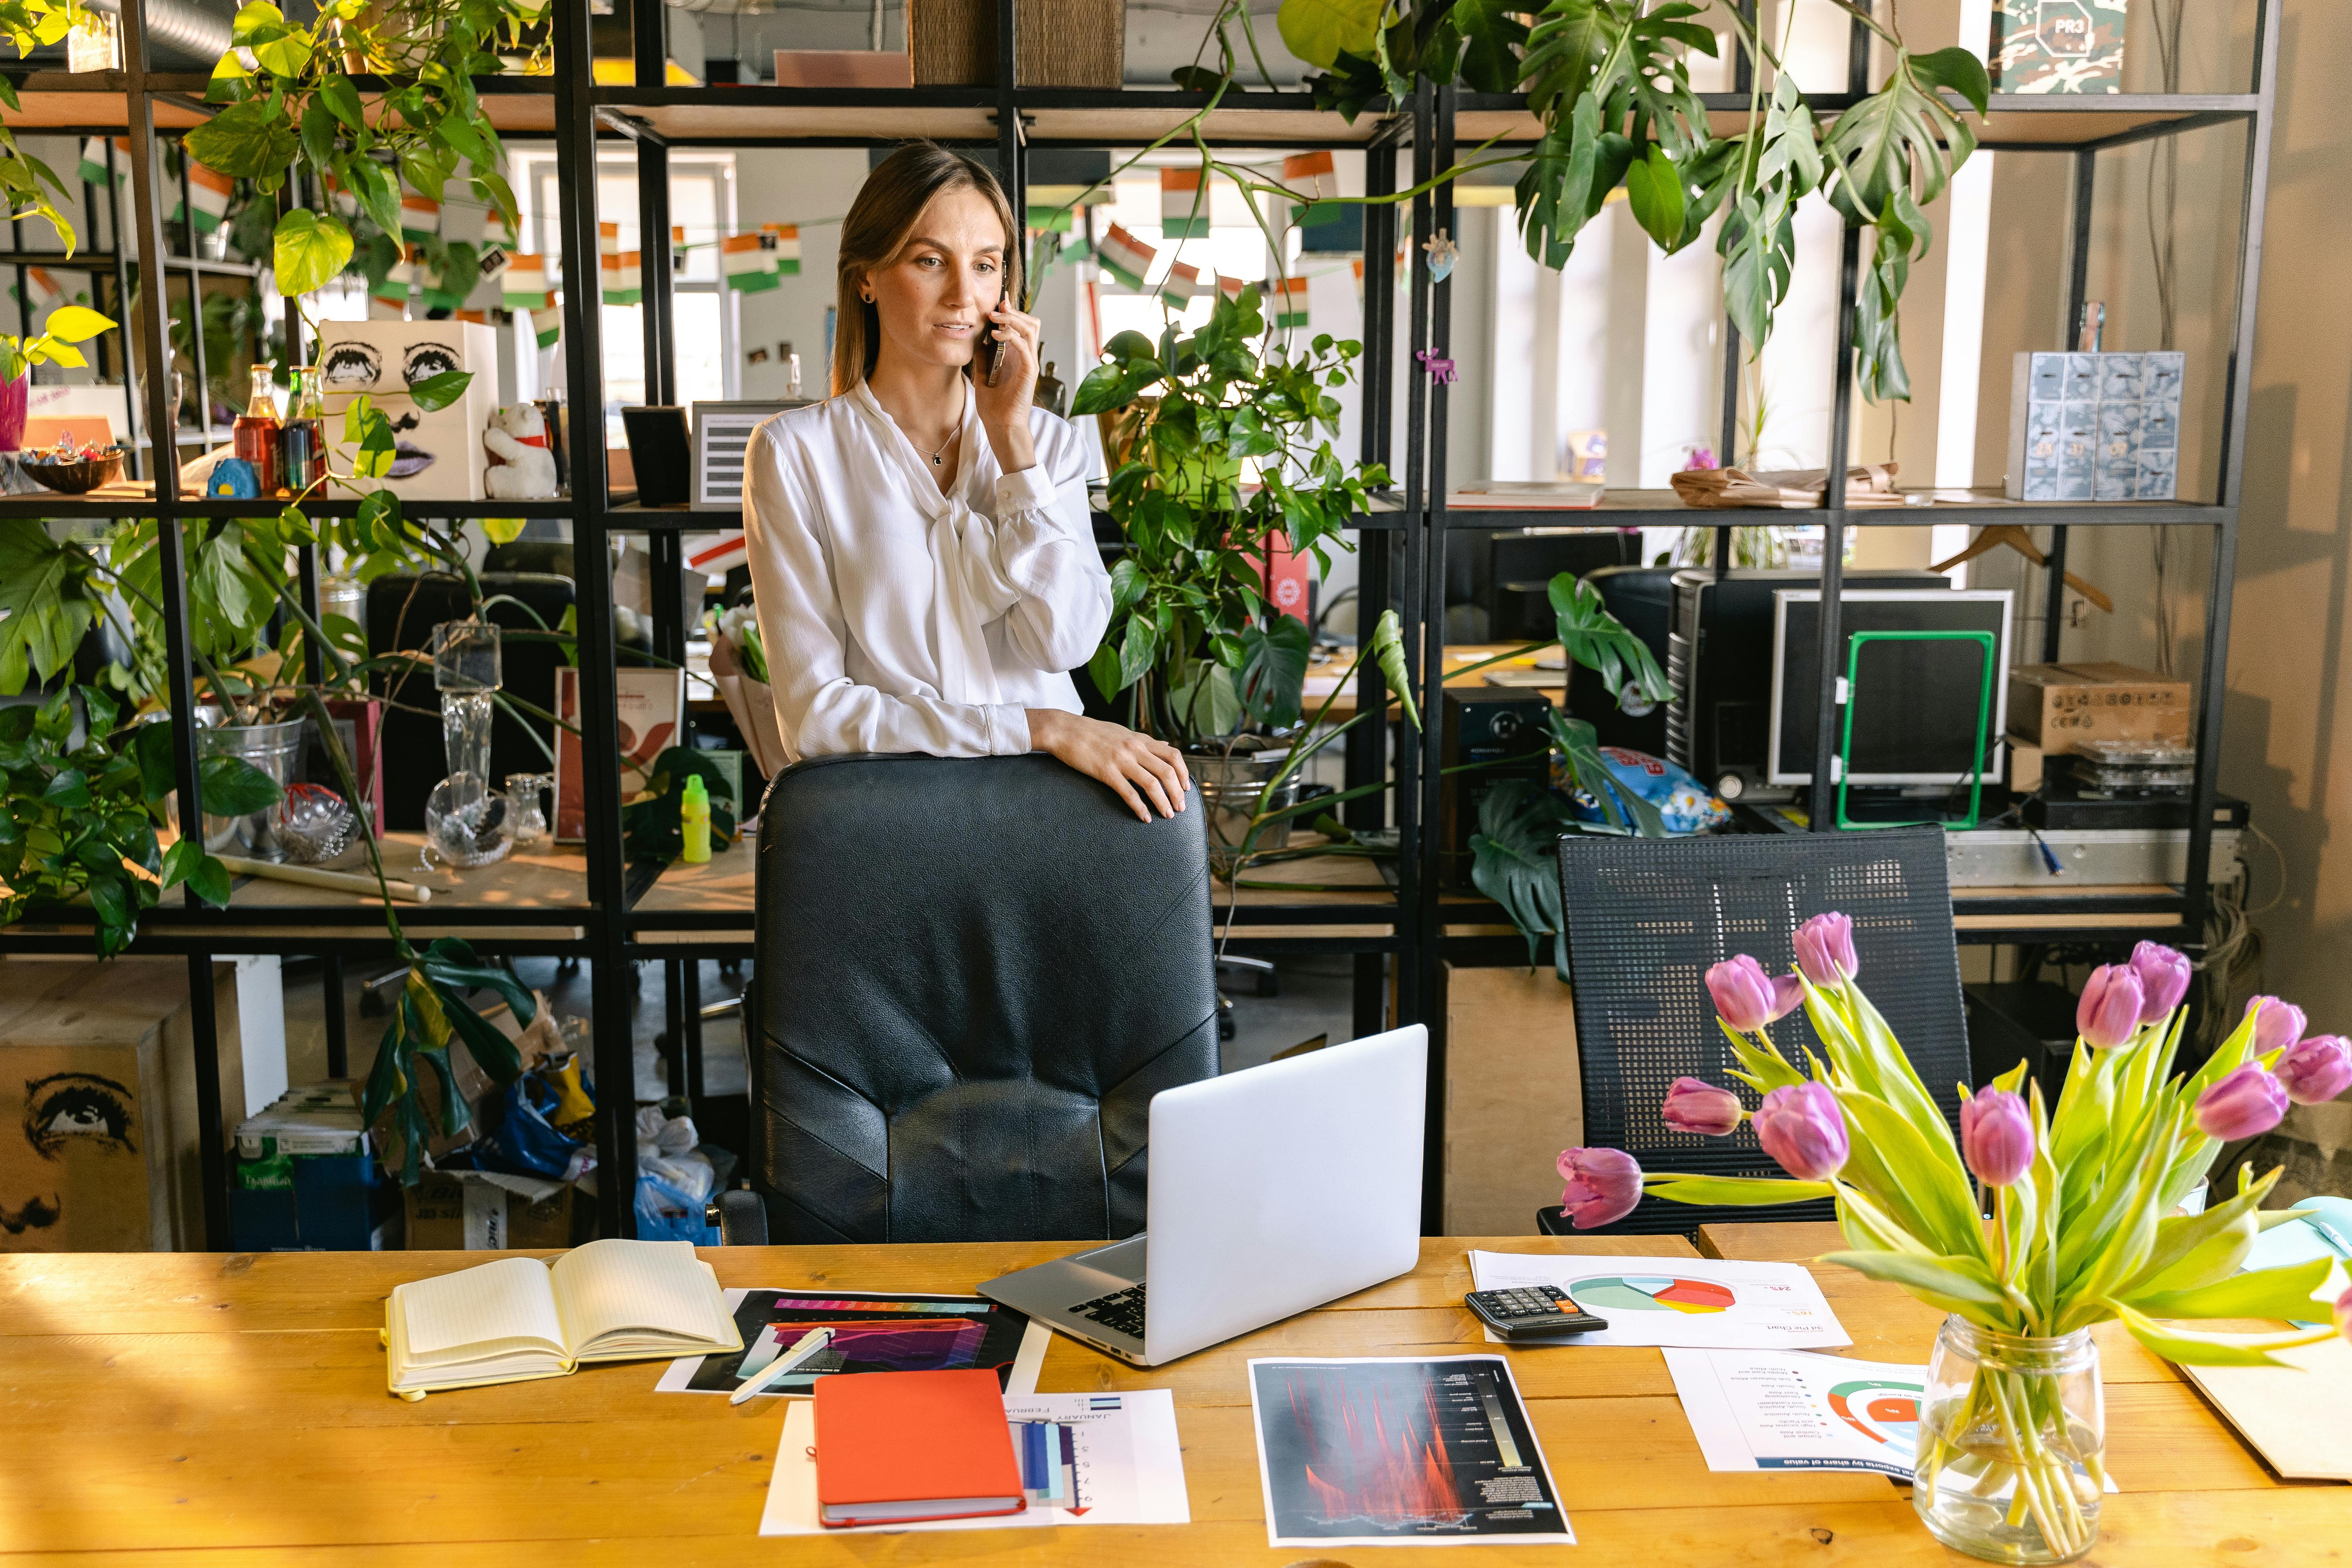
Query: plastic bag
[525, 1140]
[1685, 803]
[674, 1180]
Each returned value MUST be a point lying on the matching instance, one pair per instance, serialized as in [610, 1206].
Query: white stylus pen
[806, 1346]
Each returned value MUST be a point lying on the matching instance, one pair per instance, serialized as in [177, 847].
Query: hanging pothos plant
[1610, 80]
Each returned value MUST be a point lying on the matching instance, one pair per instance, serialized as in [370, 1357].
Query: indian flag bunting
[46, 294]
[1358, 266]
[787, 237]
[1184, 282]
[745, 264]
[93, 159]
[623, 277]
[1180, 192]
[212, 190]
[1124, 256]
[420, 217]
[479, 318]
[525, 283]
[388, 301]
[1231, 288]
[608, 239]
[1311, 175]
[547, 323]
[1289, 302]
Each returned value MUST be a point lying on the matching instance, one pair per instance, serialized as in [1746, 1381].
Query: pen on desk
[805, 1347]
[2329, 1234]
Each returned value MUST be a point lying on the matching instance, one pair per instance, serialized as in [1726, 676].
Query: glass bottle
[302, 442]
[256, 433]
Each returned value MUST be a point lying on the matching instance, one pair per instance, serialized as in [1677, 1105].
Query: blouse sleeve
[823, 711]
[1036, 565]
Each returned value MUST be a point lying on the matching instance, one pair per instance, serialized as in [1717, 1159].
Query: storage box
[98, 1103]
[313, 1203]
[2097, 426]
[2057, 45]
[2057, 706]
[440, 456]
[1056, 43]
[475, 1211]
[1514, 1098]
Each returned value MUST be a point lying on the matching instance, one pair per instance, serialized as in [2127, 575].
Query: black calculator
[1532, 1313]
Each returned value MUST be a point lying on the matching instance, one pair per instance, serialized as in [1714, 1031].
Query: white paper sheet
[1794, 1410]
[1128, 1466]
[679, 1377]
[1686, 1301]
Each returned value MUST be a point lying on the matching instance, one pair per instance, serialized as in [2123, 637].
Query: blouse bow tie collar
[958, 614]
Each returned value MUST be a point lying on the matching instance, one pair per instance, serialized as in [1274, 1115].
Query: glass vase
[2011, 1437]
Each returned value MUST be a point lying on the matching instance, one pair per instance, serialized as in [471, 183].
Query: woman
[920, 543]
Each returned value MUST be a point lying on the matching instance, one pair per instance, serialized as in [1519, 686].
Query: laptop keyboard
[1121, 1310]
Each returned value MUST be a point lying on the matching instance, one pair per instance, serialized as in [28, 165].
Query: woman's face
[934, 296]
[69, 1156]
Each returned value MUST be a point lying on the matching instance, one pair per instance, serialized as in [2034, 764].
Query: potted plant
[2085, 1221]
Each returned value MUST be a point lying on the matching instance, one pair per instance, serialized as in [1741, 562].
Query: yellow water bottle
[694, 821]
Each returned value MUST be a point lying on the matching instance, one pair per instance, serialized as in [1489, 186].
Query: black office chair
[1520, 567]
[1646, 917]
[971, 977]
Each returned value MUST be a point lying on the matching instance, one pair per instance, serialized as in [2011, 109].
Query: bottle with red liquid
[256, 434]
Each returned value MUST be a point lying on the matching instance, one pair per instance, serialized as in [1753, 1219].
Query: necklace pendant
[938, 457]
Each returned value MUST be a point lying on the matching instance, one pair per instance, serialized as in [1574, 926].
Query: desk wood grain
[218, 1409]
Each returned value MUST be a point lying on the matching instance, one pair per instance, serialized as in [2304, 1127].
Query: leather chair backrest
[971, 977]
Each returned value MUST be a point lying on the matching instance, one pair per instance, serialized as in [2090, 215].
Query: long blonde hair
[879, 221]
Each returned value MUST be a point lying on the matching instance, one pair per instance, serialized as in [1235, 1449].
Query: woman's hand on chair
[1139, 767]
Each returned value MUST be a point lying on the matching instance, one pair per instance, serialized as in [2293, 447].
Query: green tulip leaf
[2283, 1292]
[2186, 1347]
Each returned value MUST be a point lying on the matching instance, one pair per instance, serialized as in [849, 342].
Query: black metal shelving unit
[1399, 938]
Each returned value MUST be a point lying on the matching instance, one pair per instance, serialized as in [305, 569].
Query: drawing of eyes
[350, 365]
[67, 1106]
[425, 361]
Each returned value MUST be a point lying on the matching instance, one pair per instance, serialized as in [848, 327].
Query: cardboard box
[1513, 1095]
[2024, 766]
[2059, 706]
[98, 1145]
[441, 456]
[475, 1211]
[845, 68]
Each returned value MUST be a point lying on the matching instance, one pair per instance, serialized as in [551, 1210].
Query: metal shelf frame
[1403, 541]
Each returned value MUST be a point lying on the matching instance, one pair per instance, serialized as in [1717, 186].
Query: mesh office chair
[971, 977]
[1646, 917]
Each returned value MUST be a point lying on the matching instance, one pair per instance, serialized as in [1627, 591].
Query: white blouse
[899, 619]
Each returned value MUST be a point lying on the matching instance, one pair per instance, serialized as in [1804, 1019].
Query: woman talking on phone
[920, 543]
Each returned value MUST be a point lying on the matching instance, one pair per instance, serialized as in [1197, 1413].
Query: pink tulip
[2281, 1023]
[2111, 1006]
[1748, 997]
[1603, 1185]
[2243, 1104]
[1802, 1126]
[1996, 1136]
[2315, 1071]
[2163, 975]
[1825, 948]
[2343, 1313]
[1694, 1107]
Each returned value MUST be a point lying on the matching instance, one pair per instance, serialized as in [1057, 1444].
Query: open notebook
[520, 1318]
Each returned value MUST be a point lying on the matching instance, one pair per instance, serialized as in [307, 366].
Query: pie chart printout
[1650, 1293]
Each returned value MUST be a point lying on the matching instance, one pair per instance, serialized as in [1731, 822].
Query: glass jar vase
[2012, 1433]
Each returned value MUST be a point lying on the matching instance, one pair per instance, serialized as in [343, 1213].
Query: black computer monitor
[1915, 703]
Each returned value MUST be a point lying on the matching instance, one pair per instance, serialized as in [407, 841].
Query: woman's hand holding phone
[1010, 342]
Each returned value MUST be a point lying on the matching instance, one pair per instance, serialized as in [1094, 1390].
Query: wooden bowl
[73, 478]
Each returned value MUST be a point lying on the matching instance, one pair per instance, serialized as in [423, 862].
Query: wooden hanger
[2013, 534]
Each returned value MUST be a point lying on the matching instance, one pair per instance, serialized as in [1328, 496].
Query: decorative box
[2057, 45]
[2103, 426]
[440, 455]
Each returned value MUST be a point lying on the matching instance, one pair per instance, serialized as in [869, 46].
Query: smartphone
[995, 346]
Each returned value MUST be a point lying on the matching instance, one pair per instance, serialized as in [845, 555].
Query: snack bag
[1681, 800]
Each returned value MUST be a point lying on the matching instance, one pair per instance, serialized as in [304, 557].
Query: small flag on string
[547, 323]
[1180, 192]
[1359, 265]
[437, 295]
[1231, 288]
[608, 239]
[480, 317]
[787, 237]
[623, 277]
[1289, 300]
[388, 301]
[1312, 176]
[525, 283]
[495, 230]
[211, 191]
[420, 217]
[746, 265]
[93, 159]
[1184, 282]
[1125, 257]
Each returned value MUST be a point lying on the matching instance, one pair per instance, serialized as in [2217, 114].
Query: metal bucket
[1234, 791]
[275, 750]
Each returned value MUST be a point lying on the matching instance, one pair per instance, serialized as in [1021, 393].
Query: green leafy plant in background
[29, 25]
[66, 326]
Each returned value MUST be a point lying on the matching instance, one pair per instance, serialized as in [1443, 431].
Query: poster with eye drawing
[438, 454]
[1401, 1452]
[872, 1331]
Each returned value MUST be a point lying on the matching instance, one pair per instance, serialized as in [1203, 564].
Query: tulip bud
[2109, 1012]
[2281, 1023]
[2163, 975]
[1802, 1126]
[1603, 1185]
[2315, 1070]
[1694, 1107]
[2243, 1104]
[1748, 997]
[1825, 948]
[1996, 1136]
[2343, 1313]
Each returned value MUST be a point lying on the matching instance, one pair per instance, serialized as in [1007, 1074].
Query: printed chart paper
[1401, 1452]
[1689, 1301]
[1085, 1458]
[874, 1330]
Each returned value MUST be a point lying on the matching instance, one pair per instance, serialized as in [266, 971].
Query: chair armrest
[741, 1216]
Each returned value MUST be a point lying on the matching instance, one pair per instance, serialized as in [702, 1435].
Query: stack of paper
[1870, 484]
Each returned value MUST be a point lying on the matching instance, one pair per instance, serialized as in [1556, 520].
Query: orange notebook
[893, 1447]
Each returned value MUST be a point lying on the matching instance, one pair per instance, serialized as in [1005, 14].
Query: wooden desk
[1343, 705]
[231, 1409]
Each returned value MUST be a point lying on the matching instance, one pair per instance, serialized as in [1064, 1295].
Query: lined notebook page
[617, 1288]
[481, 1310]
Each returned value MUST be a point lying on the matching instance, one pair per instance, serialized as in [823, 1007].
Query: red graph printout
[1393, 1452]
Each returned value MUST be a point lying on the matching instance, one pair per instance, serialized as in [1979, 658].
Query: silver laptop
[1272, 1190]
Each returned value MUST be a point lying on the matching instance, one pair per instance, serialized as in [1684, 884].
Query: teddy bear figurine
[521, 468]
